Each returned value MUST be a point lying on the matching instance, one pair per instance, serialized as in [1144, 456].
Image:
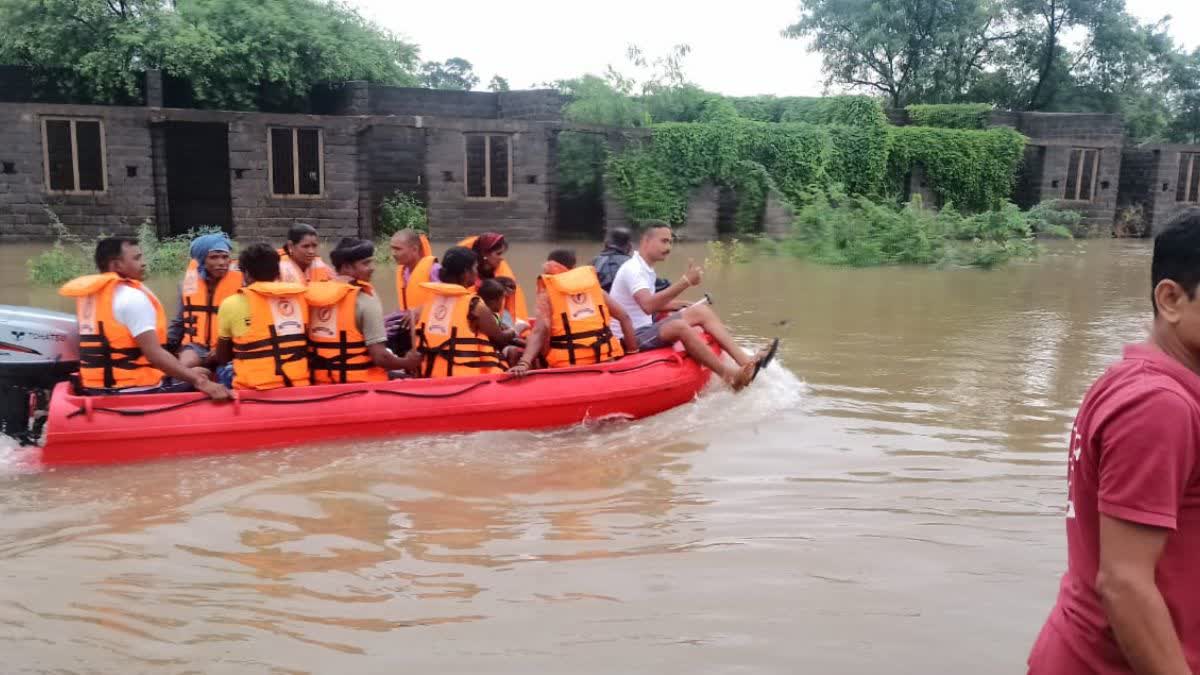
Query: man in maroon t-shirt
[1130, 599]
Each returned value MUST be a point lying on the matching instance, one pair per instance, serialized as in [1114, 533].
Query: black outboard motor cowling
[38, 349]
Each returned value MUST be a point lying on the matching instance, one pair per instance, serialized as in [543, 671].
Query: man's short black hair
[563, 256]
[649, 226]
[619, 238]
[456, 262]
[492, 289]
[298, 231]
[110, 249]
[1177, 254]
[259, 262]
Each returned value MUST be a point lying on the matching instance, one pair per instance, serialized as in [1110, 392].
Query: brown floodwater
[888, 499]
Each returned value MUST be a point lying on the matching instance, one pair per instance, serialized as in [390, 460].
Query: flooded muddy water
[889, 498]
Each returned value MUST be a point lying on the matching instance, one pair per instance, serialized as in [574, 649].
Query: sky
[737, 48]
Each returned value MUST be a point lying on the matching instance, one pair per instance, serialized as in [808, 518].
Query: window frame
[1193, 160]
[74, 155]
[1079, 175]
[487, 166]
[295, 131]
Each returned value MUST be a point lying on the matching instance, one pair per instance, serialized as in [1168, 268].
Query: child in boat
[494, 292]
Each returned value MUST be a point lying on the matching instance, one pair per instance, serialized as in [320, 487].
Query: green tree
[235, 54]
[911, 51]
[453, 73]
[100, 43]
[498, 84]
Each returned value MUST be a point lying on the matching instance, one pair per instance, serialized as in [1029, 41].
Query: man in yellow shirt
[235, 318]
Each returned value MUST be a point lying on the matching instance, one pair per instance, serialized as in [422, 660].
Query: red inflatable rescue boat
[131, 427]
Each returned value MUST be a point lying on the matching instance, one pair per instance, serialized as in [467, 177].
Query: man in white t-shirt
[633, 290]
[133, 309]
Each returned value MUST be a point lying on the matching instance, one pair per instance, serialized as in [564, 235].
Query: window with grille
[1188, 187]
[1081, 174]
[489, 164]
[296, 162]
[73, 150]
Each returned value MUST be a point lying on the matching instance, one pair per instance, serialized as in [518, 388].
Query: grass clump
[837, 229]
[71, 255]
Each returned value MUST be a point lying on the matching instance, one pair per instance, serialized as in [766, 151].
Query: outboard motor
[38, 349]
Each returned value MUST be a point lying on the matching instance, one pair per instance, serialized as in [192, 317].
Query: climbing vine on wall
[975, 170]
[950, 116]
[843, 141]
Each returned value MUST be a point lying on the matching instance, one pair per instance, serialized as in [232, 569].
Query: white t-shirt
[635, 275]
[133, 309]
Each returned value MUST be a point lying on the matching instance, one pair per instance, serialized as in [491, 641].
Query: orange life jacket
[109, 357]
[337, 348]
[290, 272]
[579, 330]
[411, 294]
[201, 301]
[515, 303]
[444, 336]
[273, 352]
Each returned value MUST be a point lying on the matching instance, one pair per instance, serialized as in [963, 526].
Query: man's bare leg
[696, 347]
[703, 316]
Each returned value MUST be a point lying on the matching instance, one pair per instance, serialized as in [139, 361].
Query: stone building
[1159, 181]
[1072, 160]
[478, 160]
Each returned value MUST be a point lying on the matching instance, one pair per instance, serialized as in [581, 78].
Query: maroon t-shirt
[1134, 455]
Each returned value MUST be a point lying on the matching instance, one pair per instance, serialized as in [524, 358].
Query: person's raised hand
[694, 274]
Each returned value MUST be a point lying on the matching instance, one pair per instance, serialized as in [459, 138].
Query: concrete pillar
[702, 214]
[778, 216]
[154, 88]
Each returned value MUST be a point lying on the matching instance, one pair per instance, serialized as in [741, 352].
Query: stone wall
[524, 215]
[24, 197]
[1058, 134]
[1153, 182]
[433, 102]
[703, 214]
[1139, 171]
[394, 157]
[778, 216]
[536, 105]
[258, 214]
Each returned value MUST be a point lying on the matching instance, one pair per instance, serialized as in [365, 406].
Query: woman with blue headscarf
[210, 278]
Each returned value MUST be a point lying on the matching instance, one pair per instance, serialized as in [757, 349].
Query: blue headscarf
[207, 243]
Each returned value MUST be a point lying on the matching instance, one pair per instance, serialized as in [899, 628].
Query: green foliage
[838, 229]
[654, 180]
[498, 84]
[401, 211]
[169, 255]
[908, 50]
[596, 100]
[1047, 221]
[1053, 55]
[71, 255]
[581, 160]
[455, 73]
[854, 111]
[973, 169]
[727, 252]
[236, 54]
[950, 116]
